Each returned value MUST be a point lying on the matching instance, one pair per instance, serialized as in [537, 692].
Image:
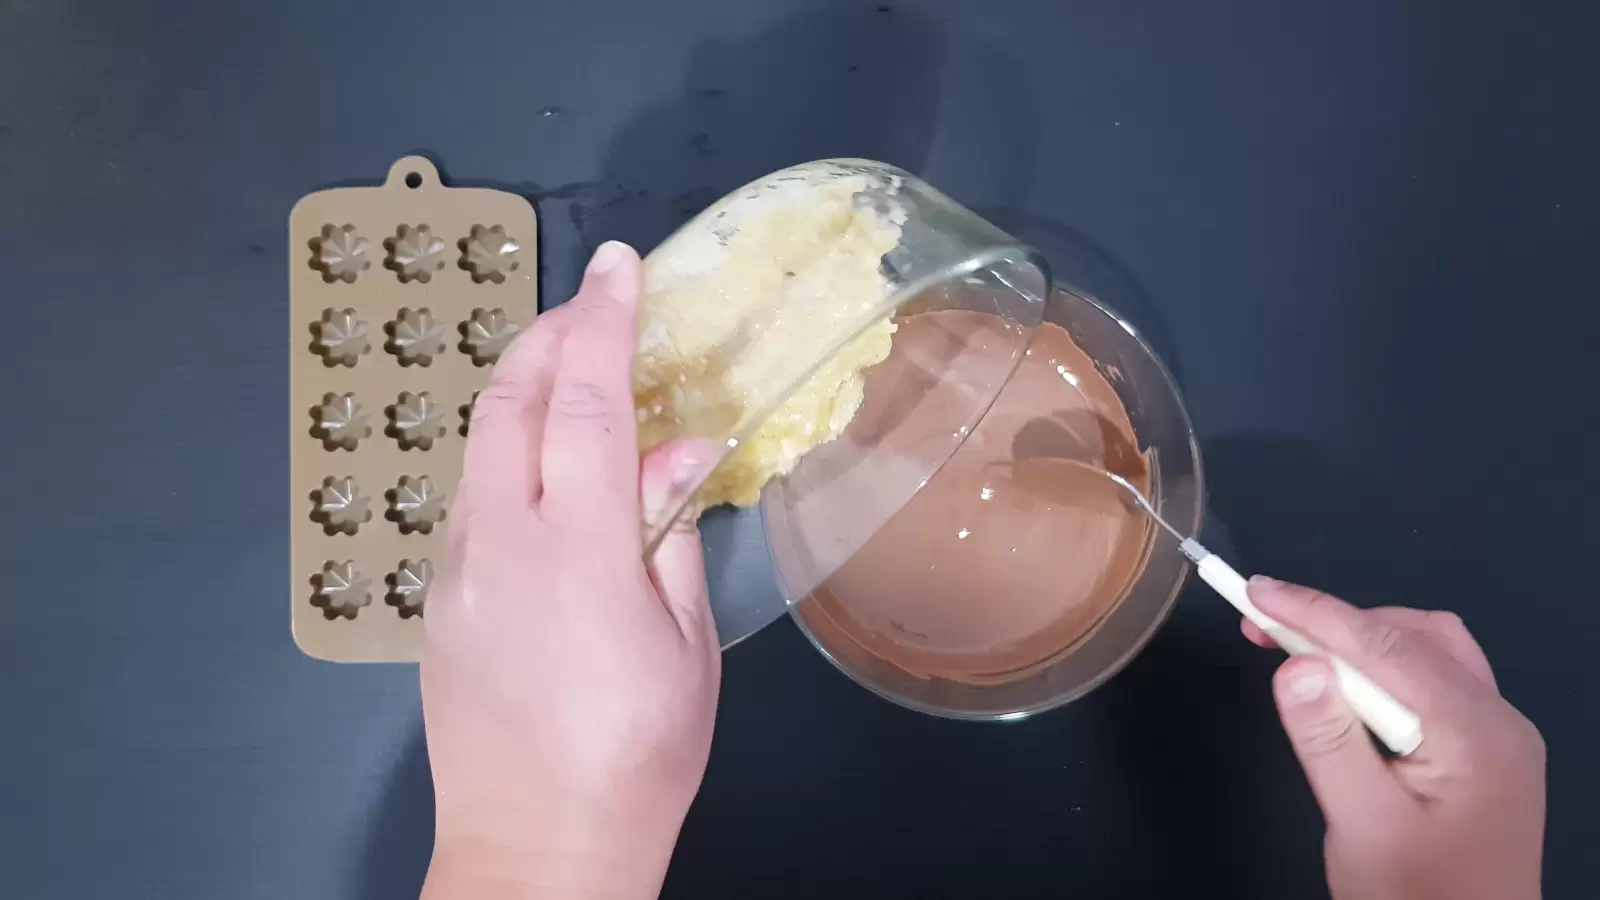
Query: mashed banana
[741, 304]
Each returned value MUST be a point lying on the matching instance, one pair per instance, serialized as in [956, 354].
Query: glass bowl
[762, 314]
[919, 614]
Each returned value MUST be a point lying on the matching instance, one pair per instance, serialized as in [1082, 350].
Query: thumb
[668, 475]
[1346, 773]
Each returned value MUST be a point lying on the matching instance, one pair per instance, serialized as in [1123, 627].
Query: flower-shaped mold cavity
[485, 335]
[415, 337]
[416, 421]
[408, 586]
[341, 337]
[339, 505]
[341, 422]
[415, 504]
[342, 589]
[415, 253]
[340, 254]
[489, 254]
[466, 413]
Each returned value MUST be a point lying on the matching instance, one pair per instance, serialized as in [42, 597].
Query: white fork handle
[1389, 719]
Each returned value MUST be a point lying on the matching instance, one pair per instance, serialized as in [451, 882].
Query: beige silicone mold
[408, 292]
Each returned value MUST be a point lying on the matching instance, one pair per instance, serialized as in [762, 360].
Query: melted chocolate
[1019, 545]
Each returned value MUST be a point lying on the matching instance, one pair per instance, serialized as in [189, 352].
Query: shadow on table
[1293, 512]
[846, 79]
[400, 835]
[1207, 779]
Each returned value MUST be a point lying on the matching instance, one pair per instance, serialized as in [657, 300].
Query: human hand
[568, 688]
[1463, 816]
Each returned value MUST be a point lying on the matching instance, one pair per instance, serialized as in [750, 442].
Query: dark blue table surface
[1362, 232]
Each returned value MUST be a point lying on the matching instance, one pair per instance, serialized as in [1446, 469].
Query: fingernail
[688, 475]
[607, 257]
[697, 457]
[1306, 686]
[1265, 581]
[683, 476]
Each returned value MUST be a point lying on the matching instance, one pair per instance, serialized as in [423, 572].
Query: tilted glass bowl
[763, 251]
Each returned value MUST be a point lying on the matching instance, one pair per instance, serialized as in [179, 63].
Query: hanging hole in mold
[413, 180]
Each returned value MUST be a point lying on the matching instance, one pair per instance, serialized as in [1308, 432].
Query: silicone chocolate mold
[403, 329]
